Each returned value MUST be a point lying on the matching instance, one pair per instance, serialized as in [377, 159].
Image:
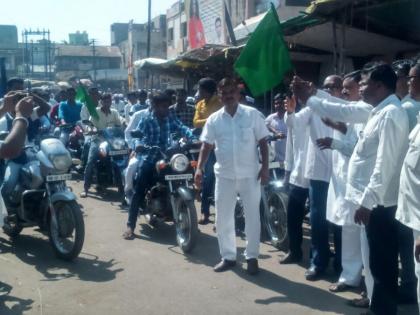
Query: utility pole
[94, 59]
[149, 27]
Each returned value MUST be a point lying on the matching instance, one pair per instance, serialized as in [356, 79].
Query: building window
[183, 29]
[170, 35]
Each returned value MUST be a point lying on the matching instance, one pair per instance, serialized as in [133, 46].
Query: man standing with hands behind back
[234, 132]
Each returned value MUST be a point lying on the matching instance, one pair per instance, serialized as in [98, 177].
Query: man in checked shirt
[156, 127]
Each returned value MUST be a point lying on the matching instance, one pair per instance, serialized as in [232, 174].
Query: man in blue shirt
[69, 111]
[156, 128]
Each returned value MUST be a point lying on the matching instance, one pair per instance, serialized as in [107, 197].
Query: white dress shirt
[235, 139]
[278, 124]
[132, 125]
[296, 152]
[412, 108]
[339, 210]
[408, 211]
[106, 120]
[318, 162]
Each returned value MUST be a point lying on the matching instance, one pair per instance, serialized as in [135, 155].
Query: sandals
[360, 303]
[128, 235]
[204, 221]
[338, 287]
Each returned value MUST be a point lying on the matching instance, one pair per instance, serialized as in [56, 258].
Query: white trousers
[351, 255]
[416, 235]
[366, 266]
[130, 172]
[226, 191]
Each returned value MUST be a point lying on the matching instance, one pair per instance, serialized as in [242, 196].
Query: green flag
[83, 96]
[265, 58]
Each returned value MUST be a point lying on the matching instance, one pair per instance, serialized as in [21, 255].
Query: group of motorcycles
[43, 198]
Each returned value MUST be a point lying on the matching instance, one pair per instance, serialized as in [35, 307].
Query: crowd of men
[351, 148]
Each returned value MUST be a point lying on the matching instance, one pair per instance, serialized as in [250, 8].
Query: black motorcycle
[112, 159]
[171, 199]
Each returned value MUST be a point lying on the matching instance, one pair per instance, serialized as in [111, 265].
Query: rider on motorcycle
[69, 110]
[156, 128]
[11, 175]
[108, 117]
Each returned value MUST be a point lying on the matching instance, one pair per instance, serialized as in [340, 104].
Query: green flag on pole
[265, 58]
[83, 96]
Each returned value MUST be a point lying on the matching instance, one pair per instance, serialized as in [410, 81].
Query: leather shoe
[290, 259]
[224, 265]
[313, 274]
[252, 266]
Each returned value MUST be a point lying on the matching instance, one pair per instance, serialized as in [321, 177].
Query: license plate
[275, 165]
[56, 178]
[120, 152]
[178, 177]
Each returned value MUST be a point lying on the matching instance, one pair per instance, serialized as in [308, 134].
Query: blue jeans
[144, 181]
[11, 178]
[91, 160]
[320, 251]
[208, 185]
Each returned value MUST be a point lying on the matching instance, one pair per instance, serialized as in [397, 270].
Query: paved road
[150, 275]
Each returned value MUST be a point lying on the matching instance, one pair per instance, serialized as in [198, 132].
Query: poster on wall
[206, 22]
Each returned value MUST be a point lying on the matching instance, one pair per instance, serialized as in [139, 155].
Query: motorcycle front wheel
[186, 224]
[67, 233]
[275, 219]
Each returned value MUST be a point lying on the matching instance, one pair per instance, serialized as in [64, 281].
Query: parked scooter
[172, 197]
[42, 198]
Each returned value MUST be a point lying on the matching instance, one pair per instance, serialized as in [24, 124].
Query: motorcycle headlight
[179, 163]
[62, 162]
[118, 144]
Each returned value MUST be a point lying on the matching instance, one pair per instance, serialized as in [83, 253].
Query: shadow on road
[37, 252]
[286, 291]
[10, 305]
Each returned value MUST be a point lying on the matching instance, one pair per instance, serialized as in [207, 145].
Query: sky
[62, 17]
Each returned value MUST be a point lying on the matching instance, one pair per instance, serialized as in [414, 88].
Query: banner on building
[206, 22]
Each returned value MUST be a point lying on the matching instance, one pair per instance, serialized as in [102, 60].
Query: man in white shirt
[408, 284]
[108, 117]
[275, 123]
[340, 211]
[373, 178]
[318, 171]
[234, 132]
[132, 98]
[295, 164]
[408, 212]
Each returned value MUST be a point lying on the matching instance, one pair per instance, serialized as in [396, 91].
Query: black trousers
[295, 215]
[382, 234]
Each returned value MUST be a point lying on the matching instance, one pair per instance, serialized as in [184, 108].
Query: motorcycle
[71, 135]
[42, 198]
[113, 157]
[274, 199]
[172, 197]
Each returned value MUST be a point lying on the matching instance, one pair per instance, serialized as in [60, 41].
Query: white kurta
[339, 210]
[408, 211]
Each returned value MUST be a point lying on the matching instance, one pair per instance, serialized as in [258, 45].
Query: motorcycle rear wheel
[275, 220]
[186, 224]
[68, 236]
